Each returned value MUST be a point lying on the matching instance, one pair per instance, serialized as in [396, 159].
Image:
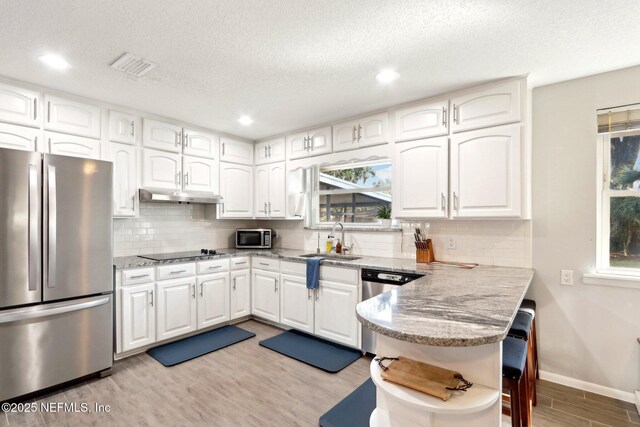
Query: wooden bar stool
[529, 306]
[522, 328]
[516, 381]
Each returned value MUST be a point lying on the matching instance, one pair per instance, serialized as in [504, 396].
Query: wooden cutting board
[429, 379]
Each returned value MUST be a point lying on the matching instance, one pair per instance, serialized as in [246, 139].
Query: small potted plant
[384, 213]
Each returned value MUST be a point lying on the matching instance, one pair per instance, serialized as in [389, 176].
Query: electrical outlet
[451, 243]
[566, 277]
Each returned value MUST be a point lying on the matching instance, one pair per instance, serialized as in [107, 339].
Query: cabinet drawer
[340, 275]
[173, 271]
[294, 268]
[240, 263]
[269, 264]
[139, 275]
[213, 266]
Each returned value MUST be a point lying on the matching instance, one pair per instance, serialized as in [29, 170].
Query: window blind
[620, 118]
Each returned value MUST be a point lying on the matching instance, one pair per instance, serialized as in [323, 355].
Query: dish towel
[313, 272]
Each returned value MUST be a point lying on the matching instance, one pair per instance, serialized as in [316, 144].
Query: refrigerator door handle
[51, 227]
[34, 250]
[50, 310]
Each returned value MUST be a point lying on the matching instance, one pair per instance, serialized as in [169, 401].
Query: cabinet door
[345, 136]
[125, 187]
[270, 151]
[75, 146]
[236, 186]
[240, 293]
[138, 316]
[265, 297]
[420, 178]
[161, 170]
[19, 105]
[373, 130]
[297, 145]
[422, 121]
[200, 144]
[486, 172]
[320, 141]
[261, 153]
[495, 105]
[296, 303]
[262, 191]
[176, 307]
[72, 117]
[199, 174]
[235, 151]
[122, 127]
[19, 137]
[213, 299]
[277, 190]
[163, 136]
[335, 313]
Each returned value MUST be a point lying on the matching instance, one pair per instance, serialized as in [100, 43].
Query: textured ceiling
[292, 63]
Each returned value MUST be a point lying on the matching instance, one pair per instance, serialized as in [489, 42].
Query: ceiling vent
[133, 65]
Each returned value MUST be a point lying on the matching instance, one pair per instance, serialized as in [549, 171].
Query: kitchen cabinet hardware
[442, 200]
[455, 114]
[269, 151]
[35, 108]
[223, 144]
[49, 112]
[276, 285]
[139, 276]
[455, 201]
[178, 139]
[266, 151]
[201, 289]
[193, 287]
[234, 283]
[151, 299]
[264, 263]
[186, 178]
[444, 116]
[133, 124]
[177, 271]
[359, 132]
[353, 133]
[213, 267]
[240, 263]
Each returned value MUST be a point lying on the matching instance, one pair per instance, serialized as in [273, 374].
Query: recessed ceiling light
[54, 61]
[245, 120]
[387, 76]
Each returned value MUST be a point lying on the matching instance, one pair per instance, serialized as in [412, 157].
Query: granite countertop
[449, 306]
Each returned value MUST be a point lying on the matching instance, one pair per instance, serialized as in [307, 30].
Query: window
[619, 224]
[353, 193]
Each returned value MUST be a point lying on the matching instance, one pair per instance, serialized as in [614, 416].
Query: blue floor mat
[314, 351]
[354, 410]
[198, 345]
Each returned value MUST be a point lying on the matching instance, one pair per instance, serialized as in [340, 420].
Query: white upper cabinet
[420, 182]
[19, 138]
[271, 151]
[75, 118]
[161, 170]
[19, 105]
[312, 143]
[345, 136]
[261, 191]
[236, 187]
[373, 130]
[495, 105]
[69, 145]
[213, 299]
[235, 151]
[200, 144]
[125, 187]
[199, 174]
[270, 191]
[162, 136]
[421, 121]
[486, 172]
[123, 127]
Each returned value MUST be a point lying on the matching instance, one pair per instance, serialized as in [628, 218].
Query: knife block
[425, 255]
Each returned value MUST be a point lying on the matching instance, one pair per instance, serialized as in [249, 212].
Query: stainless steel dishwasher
[376, 282]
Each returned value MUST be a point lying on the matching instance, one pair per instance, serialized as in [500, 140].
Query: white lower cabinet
[138, 316]
[265, 297]
[176, 307]
[213, 299]
[296, 303]
[240, 301]
[335, 316]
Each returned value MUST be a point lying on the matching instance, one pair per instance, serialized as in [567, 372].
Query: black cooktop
[179, 255]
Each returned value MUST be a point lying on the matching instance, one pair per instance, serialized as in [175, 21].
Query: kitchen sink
[333, 256]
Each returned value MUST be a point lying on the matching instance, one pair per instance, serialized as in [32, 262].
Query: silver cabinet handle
[269, 208]
[133, 124]
[177, 271]
[35, 143]
[455, 114]
[213, 267]
[133, 201]
[201, 289]
[186, 178]
[49, 112]
[151, 302]
[193, 288]
[178, 139]
[265, 152]
[50, 147]
[353, 134]
[305, 143]
[444, 116]
[185, 142]
[317, 294]
[34, 219]
[311, 138]
[223, 148]
[308, 293]
[234, 283]
[455, 201]
[265, 208]
[139, 276]
[240, 263]
[52, 224]
[269, 151]
[178, 177]
[359, 132]
[442, 200]
[276, 285]
[35, 108]
[264, 263]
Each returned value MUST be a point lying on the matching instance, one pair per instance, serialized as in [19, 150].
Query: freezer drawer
[49, 344]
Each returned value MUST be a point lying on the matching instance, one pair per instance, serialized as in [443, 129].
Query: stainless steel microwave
[254, 238]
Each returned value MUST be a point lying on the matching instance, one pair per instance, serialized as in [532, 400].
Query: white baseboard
[593, 388]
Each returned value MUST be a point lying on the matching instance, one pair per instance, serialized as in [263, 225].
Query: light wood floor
[249, 385]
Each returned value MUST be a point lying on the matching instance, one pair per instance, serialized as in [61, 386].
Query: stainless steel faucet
[345, 248]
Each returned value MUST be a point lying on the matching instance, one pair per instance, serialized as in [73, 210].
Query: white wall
[587, 332]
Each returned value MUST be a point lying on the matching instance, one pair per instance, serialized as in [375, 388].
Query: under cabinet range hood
[157, 195]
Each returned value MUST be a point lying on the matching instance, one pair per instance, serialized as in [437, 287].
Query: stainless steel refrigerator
[56, 270]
